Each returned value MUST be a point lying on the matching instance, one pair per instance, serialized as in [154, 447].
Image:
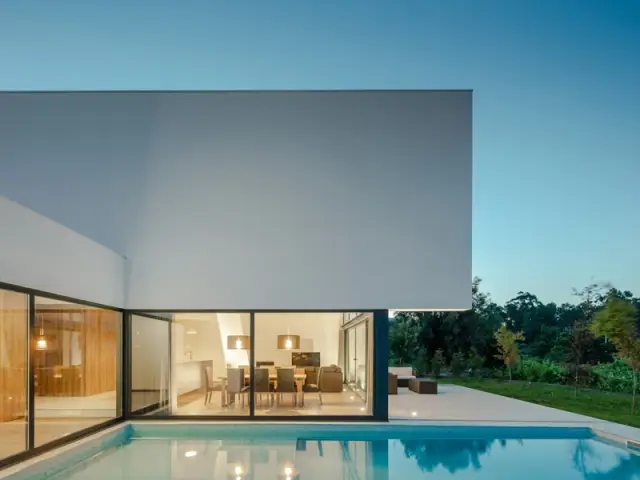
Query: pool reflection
[384, 459]
[453, 455]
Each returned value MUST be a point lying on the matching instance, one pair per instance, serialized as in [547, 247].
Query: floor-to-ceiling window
[60, 370]
[76, 366]
[191, 364]
[200, 363]
[298, 368]
[359, 356]
[14, 351]
[150, 364]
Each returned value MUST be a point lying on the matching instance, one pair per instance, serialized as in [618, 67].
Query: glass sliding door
[351, 358]
[76, 350]
[361, 356]
[14, 352]
[150, 368]
[358, 354]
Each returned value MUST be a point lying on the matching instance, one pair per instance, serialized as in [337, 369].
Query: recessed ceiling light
[190, 453]
[352, 397]
[414, 414]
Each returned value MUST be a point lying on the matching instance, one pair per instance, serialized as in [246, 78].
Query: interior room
[305, 364]
[76, 352]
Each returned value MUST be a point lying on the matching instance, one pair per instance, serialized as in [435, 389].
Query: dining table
[299, 379]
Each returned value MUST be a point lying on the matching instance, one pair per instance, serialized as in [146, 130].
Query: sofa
[330, 380]
[393, 384]
[404, 374]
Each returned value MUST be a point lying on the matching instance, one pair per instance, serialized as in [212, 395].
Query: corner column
[380, 365]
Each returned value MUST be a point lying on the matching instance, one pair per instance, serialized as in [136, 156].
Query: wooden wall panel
[13, 355]
[100, 351]
[94, 366]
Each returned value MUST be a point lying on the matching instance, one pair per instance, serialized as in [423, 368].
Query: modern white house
[220, 254]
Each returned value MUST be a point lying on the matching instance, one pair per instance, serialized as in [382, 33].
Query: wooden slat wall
[98, 345]
[13, 355]
[99, 352]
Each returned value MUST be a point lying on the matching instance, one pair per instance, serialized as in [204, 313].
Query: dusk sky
[556, 98]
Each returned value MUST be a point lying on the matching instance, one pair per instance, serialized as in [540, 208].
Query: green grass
[614, 407]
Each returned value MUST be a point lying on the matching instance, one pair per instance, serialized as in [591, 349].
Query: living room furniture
[330, 379]
[405, 374]
[393, 384]
[423, 386]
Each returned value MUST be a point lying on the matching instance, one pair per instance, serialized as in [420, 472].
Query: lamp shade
[238, 342]
[288, 342]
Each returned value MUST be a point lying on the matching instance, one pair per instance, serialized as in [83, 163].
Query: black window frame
[379, 382]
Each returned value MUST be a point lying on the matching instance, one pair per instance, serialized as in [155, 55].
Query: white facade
[38, 253]
[245, 200]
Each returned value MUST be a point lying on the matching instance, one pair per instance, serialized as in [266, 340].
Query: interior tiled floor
[343, 403]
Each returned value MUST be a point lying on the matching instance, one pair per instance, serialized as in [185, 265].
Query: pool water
[362, 453]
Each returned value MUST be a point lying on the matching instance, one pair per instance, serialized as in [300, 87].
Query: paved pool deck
[461, 405]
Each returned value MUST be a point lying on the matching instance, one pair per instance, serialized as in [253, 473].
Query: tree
[437, 362]
[617, 322]
[458, 364]
[475, 362]
[508, 350]
[580, 340]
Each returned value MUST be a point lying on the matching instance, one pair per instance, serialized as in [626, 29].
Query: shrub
[421, 362]
[458, 364]
[437, 362]
[536, 370]
[613, 377]
[475, 363]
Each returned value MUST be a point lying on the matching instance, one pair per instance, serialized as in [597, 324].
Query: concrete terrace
[461, 405]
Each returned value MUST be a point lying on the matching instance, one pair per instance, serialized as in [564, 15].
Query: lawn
[615, 407]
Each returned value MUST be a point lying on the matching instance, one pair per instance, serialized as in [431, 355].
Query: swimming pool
[339, 452]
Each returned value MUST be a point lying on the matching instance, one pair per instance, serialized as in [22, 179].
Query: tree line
[599, 328]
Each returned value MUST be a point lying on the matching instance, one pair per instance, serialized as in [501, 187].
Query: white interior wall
[38, 253]
[319, 332]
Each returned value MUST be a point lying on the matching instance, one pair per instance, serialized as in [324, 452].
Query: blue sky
[556, 98]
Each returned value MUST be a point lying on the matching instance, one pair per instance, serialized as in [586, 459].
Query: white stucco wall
[38, 253]
[257, 200]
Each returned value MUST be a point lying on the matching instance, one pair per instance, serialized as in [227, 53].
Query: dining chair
[286, 384]
[262, 385]
[235, 384]
[312, 385]
[209, 385]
